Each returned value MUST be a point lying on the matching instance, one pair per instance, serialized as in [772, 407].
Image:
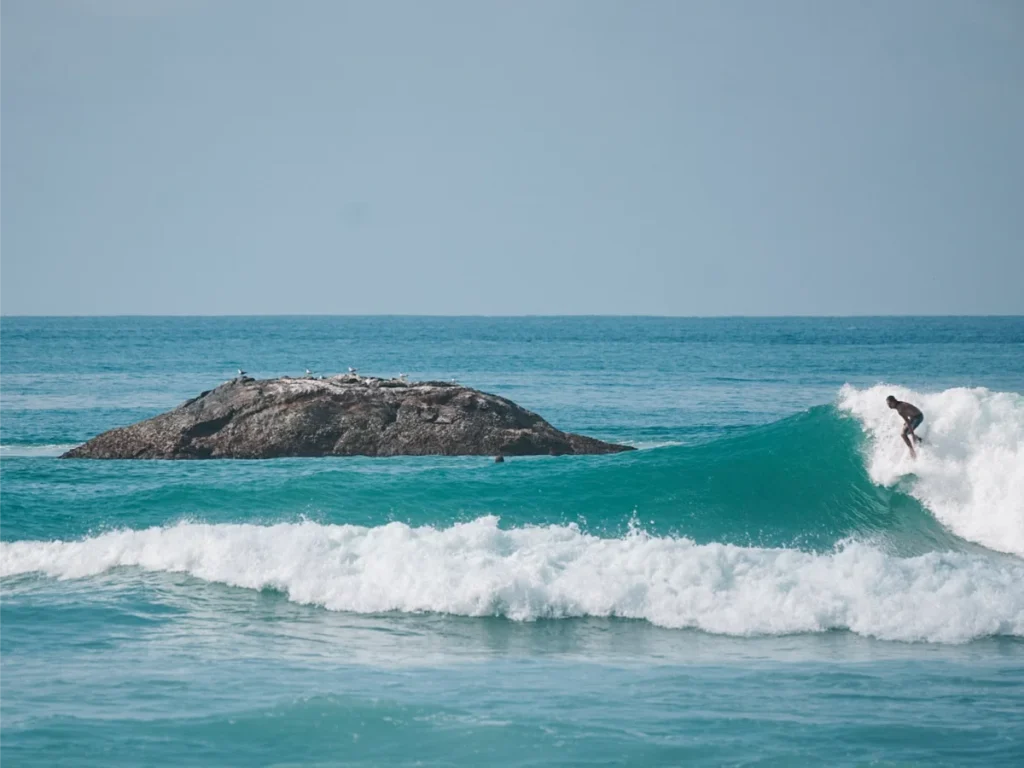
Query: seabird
[352, 370]
[241, 373]
[308, 372]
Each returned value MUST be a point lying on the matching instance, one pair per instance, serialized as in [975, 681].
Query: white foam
[478, 569]
[36, 451]
[970, 470]
[650, 445]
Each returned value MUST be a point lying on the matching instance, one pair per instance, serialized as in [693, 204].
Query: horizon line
[129, 315]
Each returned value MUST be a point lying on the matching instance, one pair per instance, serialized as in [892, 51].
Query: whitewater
[478, 569]
[970, 469]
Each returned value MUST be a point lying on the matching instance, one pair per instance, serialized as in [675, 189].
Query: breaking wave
[970, 469]
[549, 572]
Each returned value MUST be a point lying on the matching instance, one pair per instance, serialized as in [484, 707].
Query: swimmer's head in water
[892, 401]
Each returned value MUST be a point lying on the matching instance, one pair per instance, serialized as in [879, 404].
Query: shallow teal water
[743, 589]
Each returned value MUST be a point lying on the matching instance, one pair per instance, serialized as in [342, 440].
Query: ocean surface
[769, 580]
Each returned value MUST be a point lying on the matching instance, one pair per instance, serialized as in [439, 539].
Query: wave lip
[970, 469]
[479, 569]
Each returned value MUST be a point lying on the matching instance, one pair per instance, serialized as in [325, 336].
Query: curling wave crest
[970, 469]
[480, 569]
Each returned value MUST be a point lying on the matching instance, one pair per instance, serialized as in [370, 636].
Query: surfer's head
[892, 401]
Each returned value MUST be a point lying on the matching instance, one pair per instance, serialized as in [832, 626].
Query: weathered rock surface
[338, 416]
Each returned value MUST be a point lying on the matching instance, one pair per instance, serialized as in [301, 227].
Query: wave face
[798, 482]
[478, 569]
[970, 470]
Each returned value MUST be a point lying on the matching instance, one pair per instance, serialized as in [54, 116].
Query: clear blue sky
[540, 157]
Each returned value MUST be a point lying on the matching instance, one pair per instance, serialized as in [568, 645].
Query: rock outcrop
[344, 415]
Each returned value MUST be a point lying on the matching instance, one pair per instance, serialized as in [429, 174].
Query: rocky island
[345, 415]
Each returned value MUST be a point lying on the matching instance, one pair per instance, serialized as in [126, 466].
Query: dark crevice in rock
[207, 428]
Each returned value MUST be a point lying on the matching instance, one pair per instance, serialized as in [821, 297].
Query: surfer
[912, 416]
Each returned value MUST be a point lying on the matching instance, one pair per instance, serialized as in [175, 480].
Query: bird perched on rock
[241, 373]
[309, 373]
[353, 370]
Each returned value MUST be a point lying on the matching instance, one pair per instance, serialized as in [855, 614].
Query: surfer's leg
[914, 425]
[906, 439]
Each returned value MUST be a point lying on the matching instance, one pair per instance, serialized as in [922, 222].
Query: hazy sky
[691, 158]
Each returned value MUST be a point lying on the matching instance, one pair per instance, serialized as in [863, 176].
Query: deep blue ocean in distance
[769, 580]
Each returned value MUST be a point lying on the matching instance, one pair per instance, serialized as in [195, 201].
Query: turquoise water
[769, 580]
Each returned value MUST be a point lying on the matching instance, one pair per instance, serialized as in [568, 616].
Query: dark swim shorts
[915, 423]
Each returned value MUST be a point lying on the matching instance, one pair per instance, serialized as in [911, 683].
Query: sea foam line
[479, 569]
[45, 450]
